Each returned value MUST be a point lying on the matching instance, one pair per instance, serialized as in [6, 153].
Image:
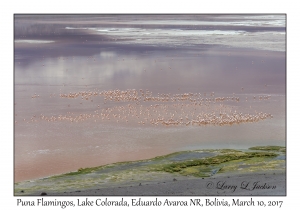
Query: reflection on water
[70, 111]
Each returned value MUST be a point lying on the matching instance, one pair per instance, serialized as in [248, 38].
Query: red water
[46, 146]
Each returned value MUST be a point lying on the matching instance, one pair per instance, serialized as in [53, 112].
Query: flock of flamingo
[143, 108]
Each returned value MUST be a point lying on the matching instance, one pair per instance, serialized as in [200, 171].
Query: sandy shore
[224, 185]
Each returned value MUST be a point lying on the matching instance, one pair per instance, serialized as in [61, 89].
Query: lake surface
[97, 89]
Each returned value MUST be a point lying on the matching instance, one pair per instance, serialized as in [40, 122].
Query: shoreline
[224, 185]
[194, 172]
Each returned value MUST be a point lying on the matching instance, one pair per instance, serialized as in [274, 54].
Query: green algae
[228, 150]
[269, 148]
[212, 162]
[219, 159]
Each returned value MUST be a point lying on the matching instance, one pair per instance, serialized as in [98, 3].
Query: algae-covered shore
[254, 171]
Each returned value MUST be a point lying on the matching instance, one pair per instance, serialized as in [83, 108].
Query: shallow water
[162, 54]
